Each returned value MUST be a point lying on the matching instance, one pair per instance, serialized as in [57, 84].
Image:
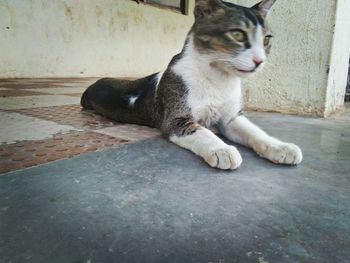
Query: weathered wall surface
[295, 77]
[40, 38]
[305, 73]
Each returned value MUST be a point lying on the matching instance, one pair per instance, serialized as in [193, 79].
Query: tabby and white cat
[201, 88]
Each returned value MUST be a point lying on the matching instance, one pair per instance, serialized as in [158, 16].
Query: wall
[44, 38]
[339, 62]
[305, 74]
[296, 78]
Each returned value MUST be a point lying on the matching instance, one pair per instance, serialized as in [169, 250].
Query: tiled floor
[42, 121]
[152, 201]
[69, 114]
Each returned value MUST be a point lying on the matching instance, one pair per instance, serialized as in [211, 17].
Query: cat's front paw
[282, 153]
[224, 158]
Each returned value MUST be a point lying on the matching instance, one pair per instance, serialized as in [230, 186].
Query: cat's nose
[258, 62]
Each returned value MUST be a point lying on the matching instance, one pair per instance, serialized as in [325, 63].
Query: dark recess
[347, 94]
[181, 7]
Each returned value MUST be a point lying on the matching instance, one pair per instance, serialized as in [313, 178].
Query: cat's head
[236, 39]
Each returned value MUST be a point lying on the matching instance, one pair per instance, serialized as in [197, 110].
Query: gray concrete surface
[155, 202]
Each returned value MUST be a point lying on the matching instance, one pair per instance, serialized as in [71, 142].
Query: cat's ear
[207, 8]
[264, 7]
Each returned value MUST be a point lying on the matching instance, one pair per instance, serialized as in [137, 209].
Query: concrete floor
[150, 201]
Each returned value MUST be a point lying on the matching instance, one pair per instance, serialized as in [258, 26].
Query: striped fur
[201, 88]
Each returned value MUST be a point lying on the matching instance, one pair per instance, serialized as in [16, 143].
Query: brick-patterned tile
[19, 86]
[73, 95]
[46, 83]
[61, 90]
[71, 115]
[31, 153]
[19, 92]
[28, 102]
[17, 127]
[131, 132]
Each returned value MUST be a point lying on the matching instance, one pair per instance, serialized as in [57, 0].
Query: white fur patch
[158, 78]
[211, 148]
[132, 100]
[258, 45]
[243, 131]
[212, 95]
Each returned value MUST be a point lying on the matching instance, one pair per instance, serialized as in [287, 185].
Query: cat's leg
[207, 145]
[239, 129]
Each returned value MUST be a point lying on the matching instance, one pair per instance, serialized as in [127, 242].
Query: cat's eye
[267, 40]
[237, 35]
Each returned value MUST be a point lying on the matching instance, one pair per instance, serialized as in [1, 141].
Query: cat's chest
[209, 102]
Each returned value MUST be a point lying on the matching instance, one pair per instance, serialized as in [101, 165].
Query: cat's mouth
[231, 66]
[246, 71]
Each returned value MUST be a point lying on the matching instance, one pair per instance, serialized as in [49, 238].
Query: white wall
[296, 78]
[339, 60]
[65, 38]
[305, 74]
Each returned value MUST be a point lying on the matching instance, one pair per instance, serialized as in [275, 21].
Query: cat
[201, 88]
